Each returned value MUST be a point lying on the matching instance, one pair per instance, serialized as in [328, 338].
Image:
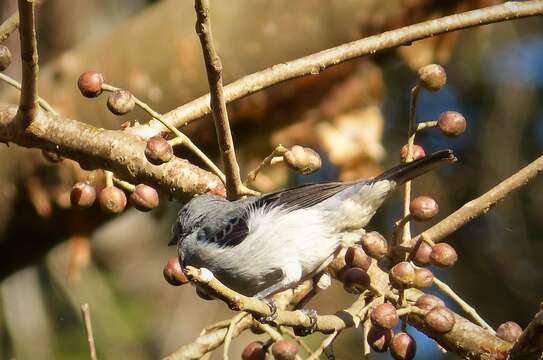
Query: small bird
[261, 245]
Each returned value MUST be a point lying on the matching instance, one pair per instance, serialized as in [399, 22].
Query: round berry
[432, 77]
[82, 195]
[374, 244]
[284, 350]
[144, 198]
[424, 278]
[303, 159]
[509, 331]
[418, 153]
[356, 257]
[379, 339]
[158, 150]
[5, 57]
[403, 346]
[112, 200]
[384, 316]
[90, 83]
[451, 123]
[428, 302]
[355, 280]
[173, 273]
[440, 319]
[422, 255]
[254, 351]
[423, 208]
[443, 255]
[120, 102]
[402, 275]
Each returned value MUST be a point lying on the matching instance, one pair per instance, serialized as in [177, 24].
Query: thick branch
[529, 346]
[483, 203]
[234, 186]
[9, 26]
[315, 63]
[28, 103]
[113, 150]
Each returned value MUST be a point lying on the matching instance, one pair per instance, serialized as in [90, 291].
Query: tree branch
[112, 150]
[9, 26]
[28, 103]
[317, 62]
[234, 186]
[529, 345]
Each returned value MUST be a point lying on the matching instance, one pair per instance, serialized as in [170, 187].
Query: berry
[418, 152]
[355, 280]
[379, 339]
[403, 346]
[423, 208]
[82, 195]
[112, 200]
[90, 83]
[428, 302]
[158, 150]
[284, 350]
[374, 244]
[5, 57]
[432, 77]
[424, 278]
[384, 316]
[144, 198]
[402, 275]
[120, 102]
[422, 255]
[509, 331]
[303, 159]
[440, 319]
[356, 257]
[173, 273]
[443, 255]
[254, 351]
[451, 123]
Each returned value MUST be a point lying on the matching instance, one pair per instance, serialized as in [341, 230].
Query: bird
[265, 244]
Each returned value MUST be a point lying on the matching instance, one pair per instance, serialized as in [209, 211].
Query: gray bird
[261, 245]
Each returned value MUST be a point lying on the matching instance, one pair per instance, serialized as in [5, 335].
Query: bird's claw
[304, 331]
[273, 312]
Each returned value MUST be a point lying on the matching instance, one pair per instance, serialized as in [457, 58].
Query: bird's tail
[405, 172]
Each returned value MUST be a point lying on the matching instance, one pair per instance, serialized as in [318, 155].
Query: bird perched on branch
[262, 245]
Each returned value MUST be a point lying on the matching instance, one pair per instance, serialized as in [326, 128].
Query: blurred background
[53, 258]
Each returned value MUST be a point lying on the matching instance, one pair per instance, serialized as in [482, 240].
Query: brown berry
[432, 77]
[440, 319]
[443, 255]
[424, 278]
[158, 150]
[451, 123]
[82, 195]
[403, 346]
[509, 331]
[173, 273]
[90, 83]
[203, 294]
[402, 275]
[51, 156]
[5, 57]
[144, 198]
[355, 280]
[384, 316]
[303, 159]
[254, 351]
[120, 102]
[112, 200]
[428, 302]
[418, 152]
[422, 255]
[284, 350]
[379, 339]
[356, 257]
[423, 208]
[374, 244]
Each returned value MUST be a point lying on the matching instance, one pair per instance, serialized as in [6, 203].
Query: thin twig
[274, 334]
[234, 186]
[365, 345]
[44, 104]
[470, 311]
[85, 313]
[109, 178]
[9, 26]
[317, 62]
[268, 160]
[125, 185]
[530, 343]
[28, 103]
[182, 138]
[289, 332]
[228, 337]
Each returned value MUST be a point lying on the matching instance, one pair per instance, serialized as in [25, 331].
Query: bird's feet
[273, 312]
[304, 331]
